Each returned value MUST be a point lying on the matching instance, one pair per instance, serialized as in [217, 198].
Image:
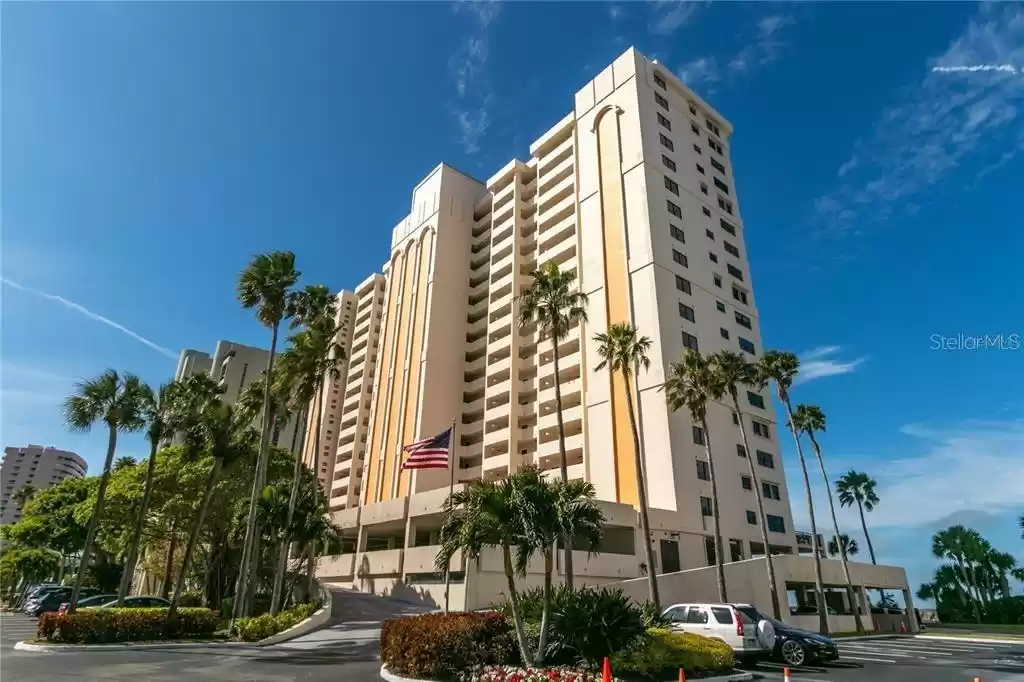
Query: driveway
[908, 659]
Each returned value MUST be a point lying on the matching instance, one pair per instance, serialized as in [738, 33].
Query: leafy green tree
[856, 487]
[810, 419]
[692, 384]
[733, 371]
[842, 544]
[956, 543]
[156, 413]
[24, 494]
[484, 515]
[125, 462]
[623, 350]
[266, 285]
[117, 401]
[556, 305]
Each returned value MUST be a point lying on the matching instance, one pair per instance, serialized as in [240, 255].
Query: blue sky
[149, 149]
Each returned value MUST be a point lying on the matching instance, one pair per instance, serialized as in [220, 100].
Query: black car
[791, 646]
[53, 599]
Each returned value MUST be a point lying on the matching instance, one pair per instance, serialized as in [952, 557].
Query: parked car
[52, 600]
[788, 644]
[96, 600]
[717, 621]
[139, 602]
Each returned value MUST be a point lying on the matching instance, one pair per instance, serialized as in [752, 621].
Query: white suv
[717, 621]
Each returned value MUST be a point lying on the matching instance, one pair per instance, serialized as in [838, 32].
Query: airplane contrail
[90, 314]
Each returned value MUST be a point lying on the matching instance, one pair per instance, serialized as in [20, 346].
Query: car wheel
[793, 653]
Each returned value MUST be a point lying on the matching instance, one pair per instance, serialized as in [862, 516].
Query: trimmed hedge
[661, 651]
[260, 627]
[260, 605]
[440, 646]
[96, 626]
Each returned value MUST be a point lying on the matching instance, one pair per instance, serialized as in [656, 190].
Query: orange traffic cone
[785, 675]
[682, 675]
[903, 627]
[606, 671]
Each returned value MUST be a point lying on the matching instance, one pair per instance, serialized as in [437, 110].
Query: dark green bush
[260, 627]
[661, 652]
[586, 622]
[439, 646]
[93, 626]
[190, 600]
[260, 605]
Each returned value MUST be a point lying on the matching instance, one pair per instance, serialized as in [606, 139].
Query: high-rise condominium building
[37, 466]
[633, 191]
[235, 366]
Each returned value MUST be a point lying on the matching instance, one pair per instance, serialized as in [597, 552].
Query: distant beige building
[235, 366]
[35, 465]
[632, 190]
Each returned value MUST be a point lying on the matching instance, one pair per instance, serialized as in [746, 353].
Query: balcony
[381, 562]
[337, 566]
[565, 207]
[556, 173]
[553, 158]
[575, 472]
[548, 417]
[421, 559]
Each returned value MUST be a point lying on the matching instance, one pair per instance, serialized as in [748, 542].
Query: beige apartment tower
[633, 191]
[35, 465]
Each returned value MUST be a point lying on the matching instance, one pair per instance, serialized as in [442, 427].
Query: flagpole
[451, 488]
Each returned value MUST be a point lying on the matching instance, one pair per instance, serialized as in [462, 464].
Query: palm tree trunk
[864, 527]
[94, 520]
[140, 522]
[969, 587]
[240, 608]
[542, 643]
[193, 538]
[172, 541]
[310, 549]
[282, 556]
[645, 524]
[563, 462]
[850, 594]
[310, 568]
[819, 588]
[716, 528]
[772, 585]
[973, 585]
[513, 597]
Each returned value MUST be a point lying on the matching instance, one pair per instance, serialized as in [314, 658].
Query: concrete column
[908, 601]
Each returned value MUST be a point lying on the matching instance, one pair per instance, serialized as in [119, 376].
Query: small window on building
[674, 209]
[659, 81]
[727, 226]
[695, 128]
[706, 508]
[689, 341]
[698, 435]
[700, 168]
[755, 400]
[747, 346]
[703, 472]
[776, 524]
[721, 185]
[746, 483]
[770, 490]
[677, 233]
[686, 312]
[761, 429]
[725, 205]
[663, 120]
[662, 102]
[667, 143]
[710, 235]
[683, 284]
[706, 210]
[679, 258]
[735, 272]
[766, 459]
[724, 332]
[717, 166]
[672, 186]
[669, 163]
[730, 249]
[720, 306]
[697, 149]
[713, 256]
[703, 188]
[752, 520]
[739, 294]
[718, 281]
[740, 450]
[742, 320]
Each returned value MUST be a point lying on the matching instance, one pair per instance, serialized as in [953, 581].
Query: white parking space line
[905, 650]
[845, 657]
[866, 652]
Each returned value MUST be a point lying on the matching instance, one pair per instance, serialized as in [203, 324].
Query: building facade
[37, 466]
[235, 366]
[632, 191]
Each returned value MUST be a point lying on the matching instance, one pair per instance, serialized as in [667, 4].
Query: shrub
[260, 627]
[190, 599]
[586, 622]
[501, 673]
[661, 651]
[440, 646]
[93, 626]
[651, 616]
[260, 605]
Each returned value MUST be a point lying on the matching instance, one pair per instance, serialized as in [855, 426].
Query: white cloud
[952, 119]
[703, 70]
[78, 308]
[615, 11]
[469, 73]
[765, 47]
[669, 15]
[821, 362]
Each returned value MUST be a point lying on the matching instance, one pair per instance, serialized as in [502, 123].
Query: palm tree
[551, 511]
[554, 303]
[156, 413]
[118, 402]
[1020, 522]
[782, 368]
[857, 487]
[954, 543]
[24, 494]
[842, 544]
[214, 430]
[622, 350]
[483, 515]
[732, 371]
[692, 384]
[266, 286]
[810, 419]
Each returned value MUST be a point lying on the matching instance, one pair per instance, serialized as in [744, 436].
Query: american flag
[430, 453]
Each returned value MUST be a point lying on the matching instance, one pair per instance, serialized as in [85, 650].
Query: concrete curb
[60, 648]
[388, 676]
[314, 622]
[973, 640]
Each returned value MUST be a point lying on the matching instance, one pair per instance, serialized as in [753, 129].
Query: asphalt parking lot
[908, 659]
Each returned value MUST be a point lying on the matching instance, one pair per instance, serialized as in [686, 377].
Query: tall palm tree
[266, 286]
[117, 401]
[782, 368]
[856, 487]
[842, 544]
[732, 371]
[156, 413]
[214, 430]
[124, 462]
[557, 306]
[810, 419]
[624, 351]
[478, 517]
[550, 510]
[692, 384]
[954, 543]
